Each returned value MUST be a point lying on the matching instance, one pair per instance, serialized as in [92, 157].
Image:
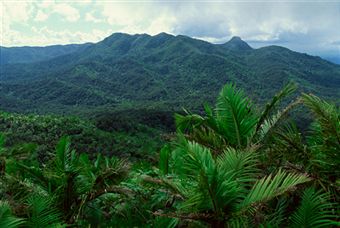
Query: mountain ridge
[142, 70]
[234, 41]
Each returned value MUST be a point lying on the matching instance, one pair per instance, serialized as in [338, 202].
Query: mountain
[35, 54]
[142, 71]
[237, 44]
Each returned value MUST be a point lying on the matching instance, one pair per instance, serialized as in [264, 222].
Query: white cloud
[41, 16]
[89, 17]
[68, 12]
[46, 36]
[298, 25]
[13, 13]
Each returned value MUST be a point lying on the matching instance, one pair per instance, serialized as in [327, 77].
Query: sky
[306, 26]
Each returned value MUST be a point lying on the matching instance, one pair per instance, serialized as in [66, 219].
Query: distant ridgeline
[166, 72]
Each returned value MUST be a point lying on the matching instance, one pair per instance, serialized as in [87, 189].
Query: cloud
[45, 36]
[89, 17]
[41, 16]
[303, 26]
[68, 12]
[13, 13]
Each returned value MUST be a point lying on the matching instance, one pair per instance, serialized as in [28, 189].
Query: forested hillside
[166, 71]
[36, 54]
[116, 138]
[233, 165]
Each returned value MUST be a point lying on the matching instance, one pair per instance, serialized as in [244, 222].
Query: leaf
[234, 115]
[6, 218]
[43, 212]
[284, 92]
[164, 157]
[314, 211]
[271, 186]
[63, 154]
[242, 165]
[326, 115]
[270, 124]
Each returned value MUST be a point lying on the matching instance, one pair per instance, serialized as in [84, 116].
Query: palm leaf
[242, 164]
[187, 122]
[271, 186]
[6, 218]
[269, 125]
[235, 117]
[63, 154]
[314, 211]
[214, 187]
[164, 157]
[286, 91]
[42, 212]
[326, 114]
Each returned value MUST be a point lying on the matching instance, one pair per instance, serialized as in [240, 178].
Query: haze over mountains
[144, 71]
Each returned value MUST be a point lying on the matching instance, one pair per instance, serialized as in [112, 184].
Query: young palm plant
[61, 191]
[223, 190]
[213, 174]
[234, 123]
[318, 152]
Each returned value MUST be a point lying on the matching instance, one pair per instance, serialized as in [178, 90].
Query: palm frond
[215, 187]
[283, 93]
[187, 122]
[164, 157]
[43, 213]
[190, 157]
[6, 218]
[242, 164]
[234, 114]
[269, 125]
[314, 211]
[271, 186]
[63, 154]
[326, 115]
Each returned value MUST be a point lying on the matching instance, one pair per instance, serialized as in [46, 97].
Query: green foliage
[272, 186]
[234, 122]
[314, 211]
[45, 131]
[233, 167]
[141, 71]
[286, 91]
[43, 212]
[219, 188]
[234, 116]
[164, 156]
[6, 218]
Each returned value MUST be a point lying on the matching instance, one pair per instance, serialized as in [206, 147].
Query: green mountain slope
[35, 54]
[44, 131]
[169, 71]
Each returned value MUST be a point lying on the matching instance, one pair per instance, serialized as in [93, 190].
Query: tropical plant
[318, 151]
[7, 219]
[215, 167]
[234, 122]
[60, 191]
[314, 210]
[223, 189]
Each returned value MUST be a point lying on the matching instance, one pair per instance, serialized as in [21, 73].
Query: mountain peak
[235, 39]
[237, 44]
[164, 34]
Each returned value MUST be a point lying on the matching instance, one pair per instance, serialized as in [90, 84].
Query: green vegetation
[41, 134]
[163, 71]
[230, 166]
[36, 54]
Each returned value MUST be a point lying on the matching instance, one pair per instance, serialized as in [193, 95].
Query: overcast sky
[305, 26]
